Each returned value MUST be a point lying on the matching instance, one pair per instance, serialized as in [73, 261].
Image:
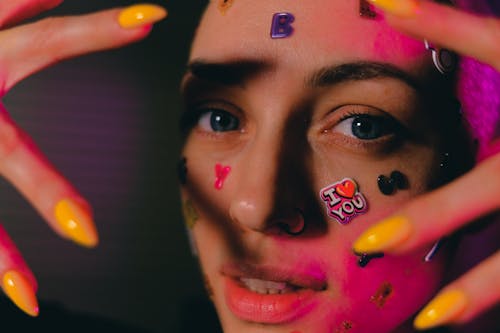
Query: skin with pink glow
[280, 113]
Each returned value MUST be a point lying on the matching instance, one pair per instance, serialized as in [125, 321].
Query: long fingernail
[401, 8]
[384, 235]
[141, 15]
[76, 222]
[442, 310]
[18, 288]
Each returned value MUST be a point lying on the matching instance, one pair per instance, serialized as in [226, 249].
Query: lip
[272, 308]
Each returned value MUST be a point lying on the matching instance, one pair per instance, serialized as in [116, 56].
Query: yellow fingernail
[18, 288]
[402, 8]
[76, 222]
[384, 235]
[141, 15]
[443, 309]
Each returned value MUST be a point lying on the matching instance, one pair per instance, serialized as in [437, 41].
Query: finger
[12, 12]
[465, 33]
[465, 298]
[437, 214]
[48, 192]
[37, 45]
[17, 280]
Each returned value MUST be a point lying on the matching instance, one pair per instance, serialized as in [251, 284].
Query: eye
[366, 127]
[216, 120]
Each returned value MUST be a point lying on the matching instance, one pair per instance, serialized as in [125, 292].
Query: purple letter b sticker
[282, 25]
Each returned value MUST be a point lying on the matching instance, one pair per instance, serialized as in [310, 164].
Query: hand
[25, 49]
[444, 211]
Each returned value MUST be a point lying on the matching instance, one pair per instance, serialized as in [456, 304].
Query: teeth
[265, 287]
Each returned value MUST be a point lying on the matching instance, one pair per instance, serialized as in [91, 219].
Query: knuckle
[49, 37]
[46, 31]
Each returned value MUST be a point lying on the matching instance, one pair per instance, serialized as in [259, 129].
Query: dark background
[108, 122]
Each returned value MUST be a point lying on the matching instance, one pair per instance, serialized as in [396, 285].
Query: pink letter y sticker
[221, 173]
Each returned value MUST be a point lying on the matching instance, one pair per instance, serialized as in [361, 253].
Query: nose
[266, 198]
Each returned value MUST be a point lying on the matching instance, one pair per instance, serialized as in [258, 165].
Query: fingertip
[384, 236]
[399, 8]
[140, 15]
[21, 292]
[76, 222]
[444, 309]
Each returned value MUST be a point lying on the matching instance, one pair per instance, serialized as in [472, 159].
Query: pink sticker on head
[221, 173]
[343, 200]
[281, 26]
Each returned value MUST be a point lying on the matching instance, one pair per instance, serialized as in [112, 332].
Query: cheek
[385, 184]
[390, 289]
[204, 200]
[381, 296]
[204, 179]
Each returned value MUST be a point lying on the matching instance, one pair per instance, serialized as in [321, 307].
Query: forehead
[325, 32]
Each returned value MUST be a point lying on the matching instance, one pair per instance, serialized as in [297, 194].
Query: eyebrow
[226, 73]
[237, 72]
[357, 71]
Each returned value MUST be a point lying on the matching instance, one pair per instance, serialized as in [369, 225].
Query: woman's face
[275, 126]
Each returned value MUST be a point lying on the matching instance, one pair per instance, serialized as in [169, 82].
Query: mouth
[264, 287]
[271, 295]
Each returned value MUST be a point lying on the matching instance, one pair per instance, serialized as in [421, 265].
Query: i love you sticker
[343, 200]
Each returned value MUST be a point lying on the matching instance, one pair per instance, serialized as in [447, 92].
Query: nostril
[295, 225]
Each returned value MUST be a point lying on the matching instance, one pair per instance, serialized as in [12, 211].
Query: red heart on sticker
[346, 189]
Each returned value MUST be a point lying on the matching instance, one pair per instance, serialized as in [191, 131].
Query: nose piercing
[294, 226]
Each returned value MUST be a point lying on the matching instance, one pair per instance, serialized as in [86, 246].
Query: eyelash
[393, 133]
[190, 118]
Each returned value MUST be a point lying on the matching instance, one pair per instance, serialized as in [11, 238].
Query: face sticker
[182, 171]
[221, 173]
[366, 9]
[365, 259]
[382, 295]
[224, 5]
[281, 26]
[190, 214]
[387, 185]
[343, 200]
[345, 327]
